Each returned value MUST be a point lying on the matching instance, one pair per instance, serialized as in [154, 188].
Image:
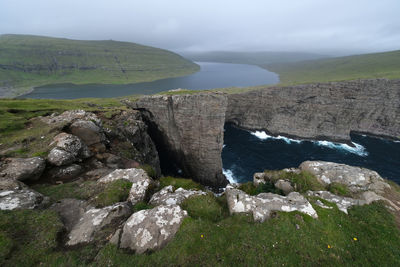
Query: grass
[267, 187]
[206, 207]
[367, 66]
[339, 189]
[180, 182]
[27, 61]
[114, 192]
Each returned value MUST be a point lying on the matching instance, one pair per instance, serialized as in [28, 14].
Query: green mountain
[377, 65]
[27, 61]
[253, 58]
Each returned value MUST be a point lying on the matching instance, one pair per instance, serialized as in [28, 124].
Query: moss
[180, 182]
[339, 189]
[142, 206]
[114, 192]
[303, 181]
[267, 187]
[151, 172]
[206, 207]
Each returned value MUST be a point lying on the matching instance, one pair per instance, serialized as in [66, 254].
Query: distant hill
[253, 58]
[377, 65]
[27, 61]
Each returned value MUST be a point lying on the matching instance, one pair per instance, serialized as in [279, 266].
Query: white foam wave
[357, 149]
[229, 175]
[263, 136]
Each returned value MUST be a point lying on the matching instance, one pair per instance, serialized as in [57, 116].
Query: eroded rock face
[322, 110]
[95, 220]
[21, 199]
[167, 196]
[190, 130]
[24, 168]
[151, 229]
[139, 179]
[263, 204]
[356, 178]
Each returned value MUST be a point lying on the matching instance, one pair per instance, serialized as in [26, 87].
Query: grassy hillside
[253, 58]
[378, 65]
[27, 61]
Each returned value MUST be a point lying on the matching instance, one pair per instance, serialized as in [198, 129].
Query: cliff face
[188, 132]
[321, 111]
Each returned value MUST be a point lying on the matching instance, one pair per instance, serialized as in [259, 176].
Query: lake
[247, 152]
[211, 75]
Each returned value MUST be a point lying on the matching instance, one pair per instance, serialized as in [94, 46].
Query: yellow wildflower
[201, 236]
[329, 246]
[355, 238]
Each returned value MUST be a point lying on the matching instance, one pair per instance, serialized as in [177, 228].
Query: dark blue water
[247, 152]
[211, 75]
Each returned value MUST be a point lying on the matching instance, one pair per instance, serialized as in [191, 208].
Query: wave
[357, 149]
[229, 175]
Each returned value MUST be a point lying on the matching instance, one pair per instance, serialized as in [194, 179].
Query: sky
[319, 26]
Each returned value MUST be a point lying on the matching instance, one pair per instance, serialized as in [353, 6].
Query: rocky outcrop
[355, 178]
[24, 198]
[149, 230]
[167, 196]
[322, 110]
[24, 168]
[262, 205]
[188, 132]
[94, 220]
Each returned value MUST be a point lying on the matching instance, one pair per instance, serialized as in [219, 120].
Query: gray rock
[263, 204]
[10, 184]
[65, 173]
[70, 116]
[24, 168]
[258, 178]
[167, 196]
[59, 157]
[191, 128]
[88, 131]
[94, 220]
[343, 203]
[71, 211]
[21, 199]
[149, 230]
[139, 179]
[285, 186]
[356, 178]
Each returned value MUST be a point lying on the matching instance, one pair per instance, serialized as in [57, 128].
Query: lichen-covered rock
[94, 220]
[343, 203]
[65, 173]
[24, 168]
[72, 144]
[70, 211]
[71, 115]
[285, 186]
[139, 179]
[10, 184]
[88, 131]
[263, 204]
[357, 179]
[21, 199]
[149, 230]
[59, 157]
[258, 178]
[167, 196]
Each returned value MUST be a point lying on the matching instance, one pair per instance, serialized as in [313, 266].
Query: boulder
[24, 168]
[167, 196]
[343, 203]
[263, 204]
[357, 179]
[285, 186]
[10, 184]
[21, 199]
[139, 179]
[70, 211]
[149, 230]
[258, 178]
[88, 131]
[65, 173]
[94, 220]
[59, 157]
[71, 115]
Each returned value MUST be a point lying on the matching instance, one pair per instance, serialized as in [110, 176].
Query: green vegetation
[267, 187]
[303, 181]
[27, 61]
[179, 182]
[151, 172]
[77, 189]
[114, 192]
[206, 207]
[141, 206]
[367, 66]
[339, 189]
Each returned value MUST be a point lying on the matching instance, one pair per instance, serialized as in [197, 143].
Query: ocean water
[247, 152]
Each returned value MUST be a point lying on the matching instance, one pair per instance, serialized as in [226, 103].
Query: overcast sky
[322, 26]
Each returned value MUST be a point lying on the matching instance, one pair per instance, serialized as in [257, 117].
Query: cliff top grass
[27, 61]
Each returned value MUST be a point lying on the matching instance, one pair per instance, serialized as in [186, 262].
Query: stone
[21, 199]
[24, 168]
[70, 211]
[343, 203]
[355, 178]
[139, 179]
[263, 204]
[71, 115]
[190, 128]
[94, 220]
[258, 178]
[10, 184]
[167, 196]
[150, 230]
[59, 157]
[285, 186]
[65, 173]
[87, 131]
